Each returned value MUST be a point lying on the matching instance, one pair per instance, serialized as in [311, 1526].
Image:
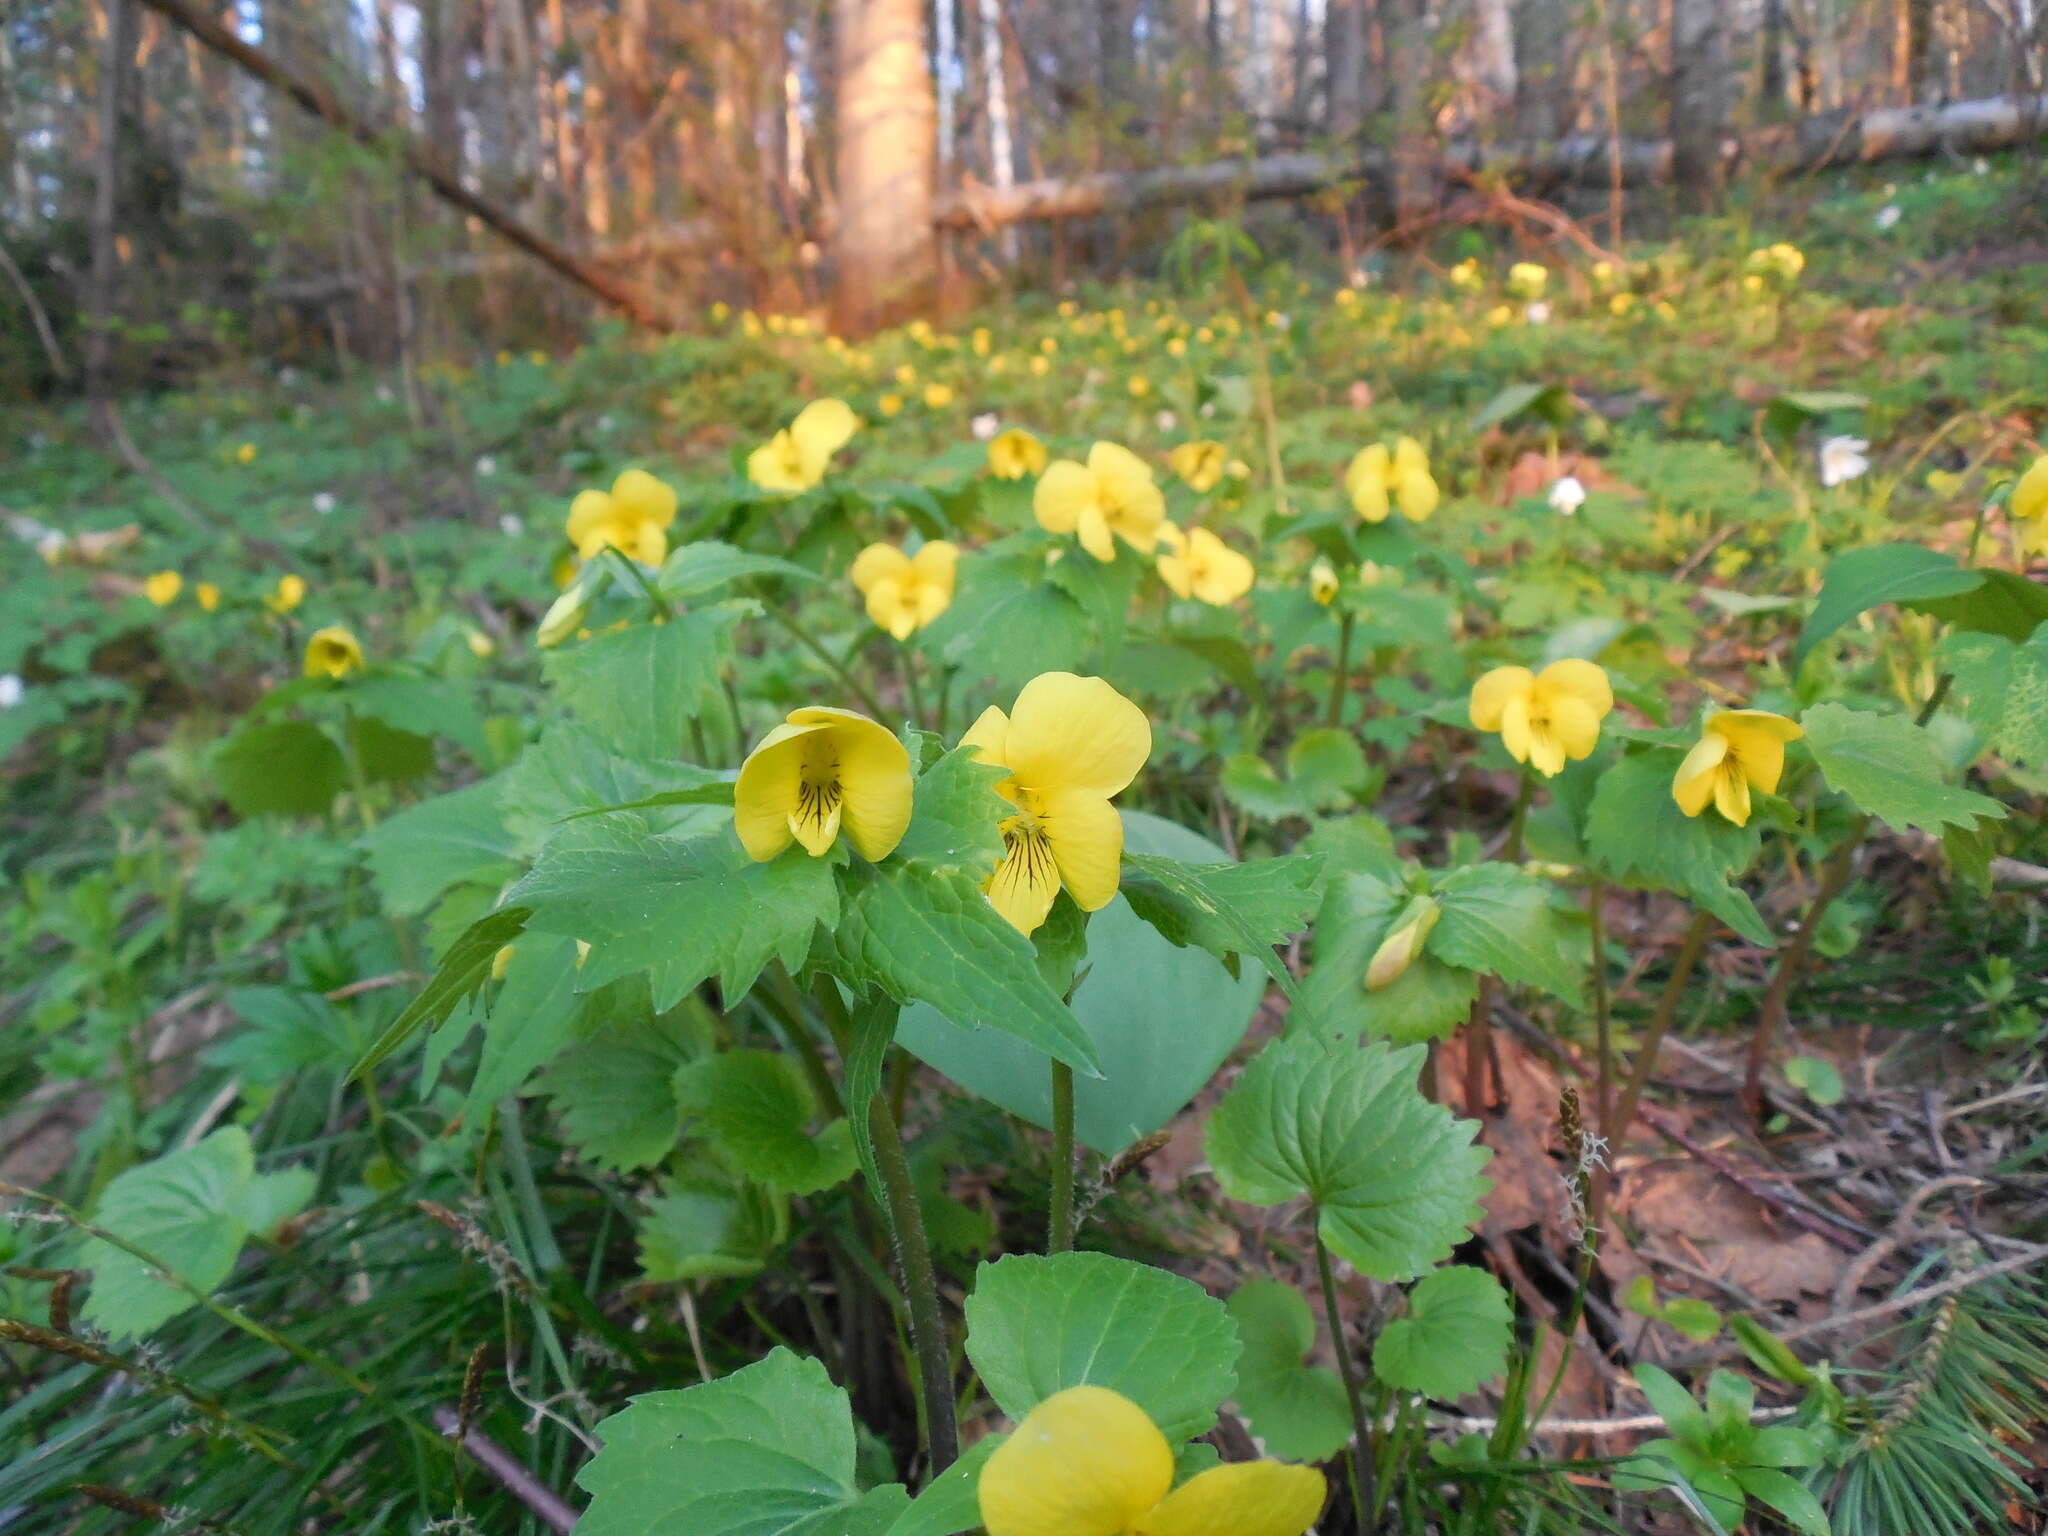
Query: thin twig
[545, 1504]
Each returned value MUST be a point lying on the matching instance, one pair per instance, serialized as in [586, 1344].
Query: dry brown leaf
[1738, 1236]
[1528, 1187]
[1534, 473]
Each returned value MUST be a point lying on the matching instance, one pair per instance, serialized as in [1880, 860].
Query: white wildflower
[1842, 459]
[1567, 495]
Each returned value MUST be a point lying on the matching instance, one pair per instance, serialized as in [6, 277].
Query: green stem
[810, 642]
[1512, 853]
[920, 1284]
[1335, 713]
[1614, 1128]
[1358, 1463]
[1603, 1032]
[912, 695]
[655, 601]
[1061, 1236]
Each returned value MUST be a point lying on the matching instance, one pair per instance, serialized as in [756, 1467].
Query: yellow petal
[820, 430]
[1516, 734]
[936, 563]
[932, 599]
[640, 496]
[1093, 530]
[2030, 494]
[1085, 1462]
[765, 794]
[1418, 494]
[1365, 480]
[1026, 881]
[1693, 785]
[1490, 695]
[1070, 732]
[1574, 724]
[1245, 1498]
[890, 607]
[1087, 837]
[776, 466]
[1731, 796]
[1409, 459]
[1581, 680]
[990, 733]
[1173, 570]
[875, 562]
[1758, 739]
[874, 779]
[644, 542]
[588, 515]
[1227, 575]
[1546, 750]
[1063, 492]
[1132, 504]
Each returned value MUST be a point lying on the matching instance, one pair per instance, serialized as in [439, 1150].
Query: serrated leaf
[639, 687]
[615, 1091]
[1637, 836]
[1007, 623]
[1395, 1179]
[451, 839]
[682, 909]
[705, 1228]
[707, 565]
[570, 770]
[956, 816]
[2003, 689]
[1883, 573]
[1231, 910]
[1299, 1411]
[766, 1451]
[1454, 1336]
[191, 1210]
[2003, 603]
[465, 968]
[1426, 1001]
[755, 1107]
[1890, 768]
[1038, 1324]
[1250, 783]
[283, 768]
[1498, 920]
[934, 938]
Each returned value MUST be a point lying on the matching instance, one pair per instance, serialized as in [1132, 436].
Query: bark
[1414, 156]
[1344, 29]
[1002, 155]
[1699, 99]
[417, 158]
[117, 65]
[1892, 133]
[1543, 104]
[887, 252]
[1771, 45]
[1493, 56]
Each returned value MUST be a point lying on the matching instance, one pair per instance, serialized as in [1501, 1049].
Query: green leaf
[1787, 1496]
[570, 770]
[951, 1502]
[1883, 573]
[284, 768]
[615, 1091]
[1038, 1324]
[2004, 691]
[766, 1451]
[754, 1107]
[935, 939]
[422, 706]
[1637, 836]
[715, 788]
[1131, 979]
[1791, 409]
[1551, 402]
[1673, 1404]
[1498, 920]
[1455, 1335]
[388, 755]
[701, 1227]
[1395, 1179]
[1007, 623]
[707, 565]
[190, 1210]
[1890, 768]
[1299, 1411]
[451, 839]
[680, 908]
[464, 969]
[1694, 1318]
[956, 815]
[1325, 768]
[1231, 910]
[2003, 603]
[1428, 1000]
[639, 688]
[1815, 1078]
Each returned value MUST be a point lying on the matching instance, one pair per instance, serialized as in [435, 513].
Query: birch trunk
[887, 252]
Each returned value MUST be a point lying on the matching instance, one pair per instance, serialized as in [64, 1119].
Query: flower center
[817, 797]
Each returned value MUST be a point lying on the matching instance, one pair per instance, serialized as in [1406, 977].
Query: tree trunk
[1002, 154]
[1493, 58]
[887, 253]
[1699, 80]
[1414, 160]
[1544, 106]
[1772, 100]
[118, 64]
[1344, 40]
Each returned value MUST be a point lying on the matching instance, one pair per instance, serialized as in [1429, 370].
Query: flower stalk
[1060, 1235]
[1359, 1465]
[920, 1285]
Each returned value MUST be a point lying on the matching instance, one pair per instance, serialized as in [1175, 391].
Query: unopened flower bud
[1398, 949]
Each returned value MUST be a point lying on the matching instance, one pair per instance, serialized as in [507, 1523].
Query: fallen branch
[317, 99]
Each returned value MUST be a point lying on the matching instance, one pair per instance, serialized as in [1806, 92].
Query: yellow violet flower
[246, 454]
[208, 595]
[905, 374]
[1738, 750]
[1375, 475]
[906, 592]
[1040, 367]
[1466, 274]
[163, 588]
[938, 396]
[822, 770]
[1200, 463]
[288, 594]
[796, 458]
[1015, 453]
[632, 517]
[1090, 1462]
[1544, 717]
[332, 652]
[2029, 507]
[1202, 566]
[1110, 496]
[1323, 582]
[889, 404]
[1526, 280]
[1070, 743]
